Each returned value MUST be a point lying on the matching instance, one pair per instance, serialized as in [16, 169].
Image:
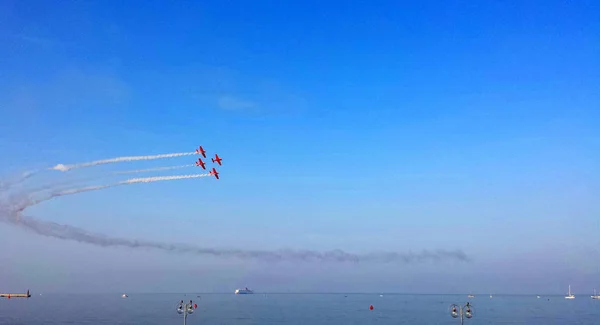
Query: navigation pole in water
[462, 312]
[186, 309]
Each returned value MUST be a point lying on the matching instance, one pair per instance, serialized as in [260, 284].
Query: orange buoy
[371, 307]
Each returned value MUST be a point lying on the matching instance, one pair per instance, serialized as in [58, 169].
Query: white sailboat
[595, 296]
[570, 296]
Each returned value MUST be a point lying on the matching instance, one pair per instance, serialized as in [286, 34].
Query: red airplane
[201, 151]
[215, 173]
[217, 159]
[200, 163]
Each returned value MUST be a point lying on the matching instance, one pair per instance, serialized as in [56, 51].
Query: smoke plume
[157, 169]
[11, 211]
[5, 185]
[64, 168]
[90, 178]
[101, 187]
[66, 232]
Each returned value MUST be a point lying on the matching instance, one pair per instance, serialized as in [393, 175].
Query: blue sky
[363, 126]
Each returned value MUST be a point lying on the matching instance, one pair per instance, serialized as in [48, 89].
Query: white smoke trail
[101, 187]
[157, 169]
[64, 168]
[161, 178]
[90, 178]
[81, 190]
[11, 212]
[67, 232]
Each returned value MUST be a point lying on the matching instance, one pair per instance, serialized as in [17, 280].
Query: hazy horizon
[481, 295]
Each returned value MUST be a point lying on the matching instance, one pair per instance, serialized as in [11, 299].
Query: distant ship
[16, 295]
[124, 296]
[570, 296]
[471, 296]
[245, 291]
[595, 296]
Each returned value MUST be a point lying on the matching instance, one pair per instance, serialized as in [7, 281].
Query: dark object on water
[16, 295]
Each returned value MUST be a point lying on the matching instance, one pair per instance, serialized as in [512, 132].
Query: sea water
[297, 309]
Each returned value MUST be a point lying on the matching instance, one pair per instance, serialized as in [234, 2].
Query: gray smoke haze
[11, 210]
[67, 232]
[5, 185]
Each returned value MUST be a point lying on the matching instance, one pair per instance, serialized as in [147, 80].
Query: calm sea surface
[299, 309]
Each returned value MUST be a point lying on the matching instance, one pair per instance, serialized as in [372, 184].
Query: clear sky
[361, 126]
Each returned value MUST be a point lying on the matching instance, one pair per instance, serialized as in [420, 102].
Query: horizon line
[308, 293]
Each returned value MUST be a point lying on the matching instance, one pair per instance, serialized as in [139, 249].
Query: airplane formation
[202, 164]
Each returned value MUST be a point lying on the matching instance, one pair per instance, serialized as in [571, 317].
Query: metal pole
[185, 314]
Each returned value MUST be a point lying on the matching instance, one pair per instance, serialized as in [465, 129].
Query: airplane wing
[201, 151]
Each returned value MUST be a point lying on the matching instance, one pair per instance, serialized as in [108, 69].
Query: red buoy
[371, 307]
[195, 306]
